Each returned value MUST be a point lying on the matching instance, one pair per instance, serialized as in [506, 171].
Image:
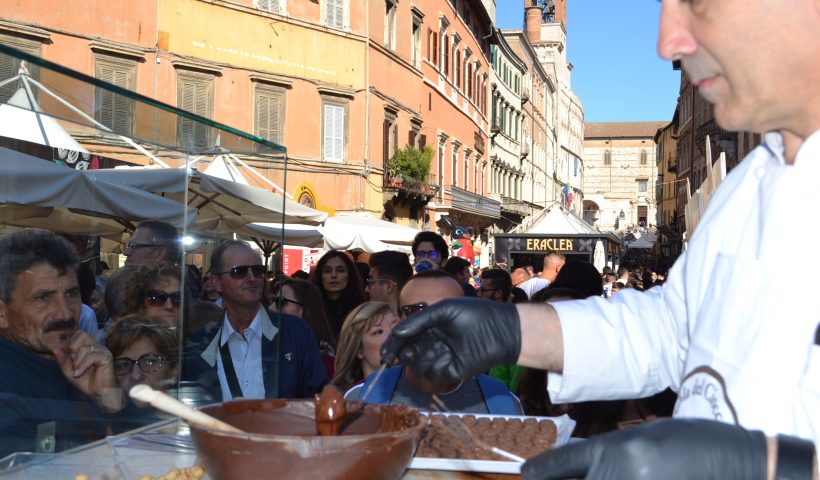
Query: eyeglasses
[240, 271]
[158, 299]
[135, 246]
[431, 254]
[373, 281]
[407, 310]
[148, 363]
[483, 290]
[284, 301]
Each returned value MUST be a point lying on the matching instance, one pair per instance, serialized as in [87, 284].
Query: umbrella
[224, 206]
[599, 256]
[21, 119]
[353, 232]
[37, 192]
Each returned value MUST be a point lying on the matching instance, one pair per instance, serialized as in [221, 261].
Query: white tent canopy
[368, 234]
[20, 118]
[558, 221]
[225, 207]
[294, 234]
[37, 192]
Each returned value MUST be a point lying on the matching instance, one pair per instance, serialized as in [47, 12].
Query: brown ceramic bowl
[376, 442]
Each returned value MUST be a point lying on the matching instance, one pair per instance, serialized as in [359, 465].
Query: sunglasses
[284, 301]
[407, 310]
[158, 299]
[483, 290]
[239, 271]
[431, 254]
[148, 363]
[373, 281]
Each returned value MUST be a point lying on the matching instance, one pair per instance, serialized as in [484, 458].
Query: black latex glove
[670, 449]
[455, 339]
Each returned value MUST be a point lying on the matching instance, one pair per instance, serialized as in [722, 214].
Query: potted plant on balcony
[409, 163]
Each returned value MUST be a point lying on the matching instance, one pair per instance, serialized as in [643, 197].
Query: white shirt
[246, 355]
[533, 285]
[732, 329]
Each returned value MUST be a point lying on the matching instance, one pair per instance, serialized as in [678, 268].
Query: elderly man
[153, 242]
[58, 388]
[252, 353]
[734, 329]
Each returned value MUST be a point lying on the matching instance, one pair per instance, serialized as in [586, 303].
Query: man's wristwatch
[795, 458]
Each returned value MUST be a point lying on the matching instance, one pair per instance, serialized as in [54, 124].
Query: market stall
[558, 230]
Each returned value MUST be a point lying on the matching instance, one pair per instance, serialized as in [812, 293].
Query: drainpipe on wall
[363, 179]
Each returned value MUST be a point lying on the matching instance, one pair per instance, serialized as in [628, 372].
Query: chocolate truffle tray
[446, 445]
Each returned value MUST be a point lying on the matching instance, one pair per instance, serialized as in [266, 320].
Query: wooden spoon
[171, 405]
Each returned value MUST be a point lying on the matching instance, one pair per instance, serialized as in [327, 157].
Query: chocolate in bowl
[376, 441]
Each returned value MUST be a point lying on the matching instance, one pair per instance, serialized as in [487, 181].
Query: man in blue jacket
[58, 388]
[251, 353]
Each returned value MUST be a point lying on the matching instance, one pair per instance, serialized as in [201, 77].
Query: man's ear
[216, 283]
[4, 322]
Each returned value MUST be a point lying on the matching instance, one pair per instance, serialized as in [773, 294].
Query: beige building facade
[620, 175]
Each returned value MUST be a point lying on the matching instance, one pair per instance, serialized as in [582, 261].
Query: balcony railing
[411, 185]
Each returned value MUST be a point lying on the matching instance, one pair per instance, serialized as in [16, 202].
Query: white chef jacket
[732, 329]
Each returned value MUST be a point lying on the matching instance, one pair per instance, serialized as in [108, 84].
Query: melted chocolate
[330, 411]
[374, 441]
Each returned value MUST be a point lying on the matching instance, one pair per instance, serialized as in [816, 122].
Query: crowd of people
[239, 332]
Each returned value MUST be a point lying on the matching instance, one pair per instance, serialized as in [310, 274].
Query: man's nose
[674, 35]
[64, 307]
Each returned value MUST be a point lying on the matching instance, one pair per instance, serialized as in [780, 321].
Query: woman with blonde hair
[363, 332]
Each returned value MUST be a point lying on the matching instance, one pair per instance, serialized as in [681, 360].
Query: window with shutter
[272, 6]
[113, 110]
[334, 131]
[10, 65]
[335, 13]
[194, 94]
[269, 115]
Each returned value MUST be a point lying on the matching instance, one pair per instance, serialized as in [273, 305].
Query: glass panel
[143, 193]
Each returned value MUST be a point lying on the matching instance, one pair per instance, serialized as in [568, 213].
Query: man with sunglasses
[389, 271]
[58, 388]
[152, 243]
[496, 285]
[252, 353]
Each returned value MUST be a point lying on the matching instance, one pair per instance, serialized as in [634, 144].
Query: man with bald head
[399, 386]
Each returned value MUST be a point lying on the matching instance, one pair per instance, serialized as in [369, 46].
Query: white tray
[564, 426]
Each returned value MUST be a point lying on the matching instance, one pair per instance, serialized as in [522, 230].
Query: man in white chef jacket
[740, 351]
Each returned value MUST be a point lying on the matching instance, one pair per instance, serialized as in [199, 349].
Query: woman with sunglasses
[155, 292]
[145, 351]
[338, 280]
[363, 333]
[302, 299]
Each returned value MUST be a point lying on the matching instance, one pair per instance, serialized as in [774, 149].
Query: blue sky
[611, 44]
